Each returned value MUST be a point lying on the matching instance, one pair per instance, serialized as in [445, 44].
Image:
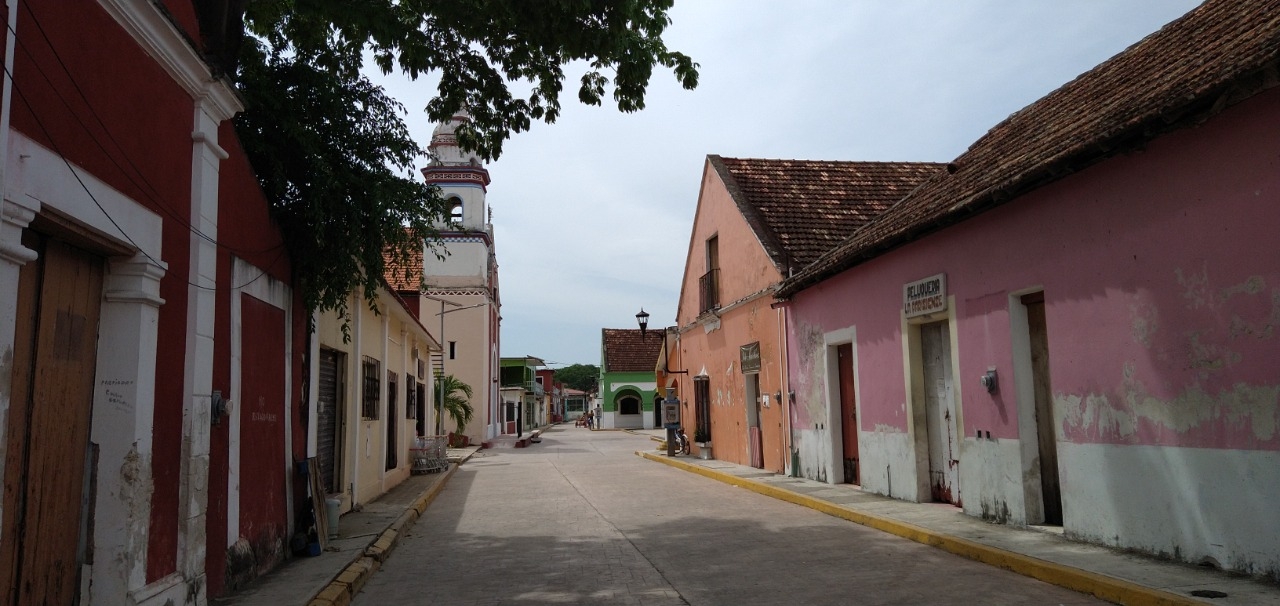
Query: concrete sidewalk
[365, 539]
[1109, 574]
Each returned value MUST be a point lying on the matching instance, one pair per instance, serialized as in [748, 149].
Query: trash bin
[331, 505]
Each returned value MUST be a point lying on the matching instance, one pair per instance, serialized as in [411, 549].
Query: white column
[14, 217]
[123, 422]
[193, 492]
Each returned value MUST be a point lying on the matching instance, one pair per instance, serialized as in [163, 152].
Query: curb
[344, 587]
[1092, 583]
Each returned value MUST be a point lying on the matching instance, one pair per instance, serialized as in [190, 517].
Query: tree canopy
[332, 150]
[582, 377]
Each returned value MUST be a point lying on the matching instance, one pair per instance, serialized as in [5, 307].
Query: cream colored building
[371, 394]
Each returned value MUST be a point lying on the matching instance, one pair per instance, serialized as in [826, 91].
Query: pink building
[1076, 322]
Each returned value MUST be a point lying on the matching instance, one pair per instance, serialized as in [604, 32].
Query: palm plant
[453, 397]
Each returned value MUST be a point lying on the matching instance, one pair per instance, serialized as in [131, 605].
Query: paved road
[579, 519]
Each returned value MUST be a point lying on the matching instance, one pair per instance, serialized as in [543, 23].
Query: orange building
[756, 222]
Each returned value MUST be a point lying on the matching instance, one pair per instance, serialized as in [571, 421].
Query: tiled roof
[1218, 54]
[626, 351]
[800, 209]
[407, 277]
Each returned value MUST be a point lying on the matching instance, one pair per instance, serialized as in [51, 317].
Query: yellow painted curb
[1092, 583]
[343, 588]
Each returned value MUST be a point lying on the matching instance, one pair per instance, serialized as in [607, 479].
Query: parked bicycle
[682, 441]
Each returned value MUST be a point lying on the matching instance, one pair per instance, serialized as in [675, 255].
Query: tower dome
[444, 147]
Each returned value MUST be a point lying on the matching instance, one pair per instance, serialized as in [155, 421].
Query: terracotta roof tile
[403, 278]
[802, 208]
[626, 351]
[1218, 54]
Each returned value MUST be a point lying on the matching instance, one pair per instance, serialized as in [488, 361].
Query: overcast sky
[592, 214]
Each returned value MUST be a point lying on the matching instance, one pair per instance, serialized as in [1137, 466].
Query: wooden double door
[49, 461]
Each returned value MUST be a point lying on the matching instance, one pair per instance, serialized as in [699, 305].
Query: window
[453, 349]
[372, 388]
[702, 405]
[709, 283]
[410, 398]
[455, 210]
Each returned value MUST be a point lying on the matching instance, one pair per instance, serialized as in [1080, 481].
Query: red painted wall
[108, 108]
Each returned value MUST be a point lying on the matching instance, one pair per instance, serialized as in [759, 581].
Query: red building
[150, 343]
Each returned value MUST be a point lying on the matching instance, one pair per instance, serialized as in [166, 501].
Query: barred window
[372, 388]
[410, 398]
[702, 405]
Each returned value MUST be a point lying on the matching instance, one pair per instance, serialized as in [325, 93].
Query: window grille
[702, 404]
[410, 398]
[372, 388]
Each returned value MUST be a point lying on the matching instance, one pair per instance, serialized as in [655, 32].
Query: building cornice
[456, 174]
[158, 36]
[712, 317]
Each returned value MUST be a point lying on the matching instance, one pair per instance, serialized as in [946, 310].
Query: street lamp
[671, 422]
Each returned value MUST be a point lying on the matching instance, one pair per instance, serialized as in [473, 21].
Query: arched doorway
[628, 405]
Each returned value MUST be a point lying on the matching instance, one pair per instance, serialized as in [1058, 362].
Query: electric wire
[146, 187]
[70, 167]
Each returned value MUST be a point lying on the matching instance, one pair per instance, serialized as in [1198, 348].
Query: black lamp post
[642, 319]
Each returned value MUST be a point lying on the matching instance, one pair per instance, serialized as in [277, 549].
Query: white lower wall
[991, 485]
[621, 421]
[814, 448]
[1192, 504]
[888, 463]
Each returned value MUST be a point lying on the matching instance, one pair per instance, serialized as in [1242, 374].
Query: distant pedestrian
[598, 418]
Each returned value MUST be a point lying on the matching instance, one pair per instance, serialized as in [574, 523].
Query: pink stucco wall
[1162, 294]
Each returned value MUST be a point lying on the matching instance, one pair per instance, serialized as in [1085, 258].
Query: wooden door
[48, 460]
[1038, 329]
[848, 413]
[329, 411]
[935, 345]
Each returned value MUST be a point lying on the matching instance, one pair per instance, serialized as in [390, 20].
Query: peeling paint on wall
[6, 371]
[1145, 321]
[1242, 408]
[1264, 329]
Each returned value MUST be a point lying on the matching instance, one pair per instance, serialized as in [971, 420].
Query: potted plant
[453, 396]
[703, 438]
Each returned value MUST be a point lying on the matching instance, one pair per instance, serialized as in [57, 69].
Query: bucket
[331, 505]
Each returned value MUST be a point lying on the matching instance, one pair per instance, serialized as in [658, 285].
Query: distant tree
[582, 377]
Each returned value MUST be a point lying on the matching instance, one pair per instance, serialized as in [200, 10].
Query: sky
[592, 214]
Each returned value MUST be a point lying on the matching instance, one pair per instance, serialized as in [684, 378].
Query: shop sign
[925, 296]
[751, 357]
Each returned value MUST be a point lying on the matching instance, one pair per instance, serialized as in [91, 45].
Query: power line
[96, 203]
[146, 187]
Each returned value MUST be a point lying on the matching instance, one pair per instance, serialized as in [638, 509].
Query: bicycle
[682, 441]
